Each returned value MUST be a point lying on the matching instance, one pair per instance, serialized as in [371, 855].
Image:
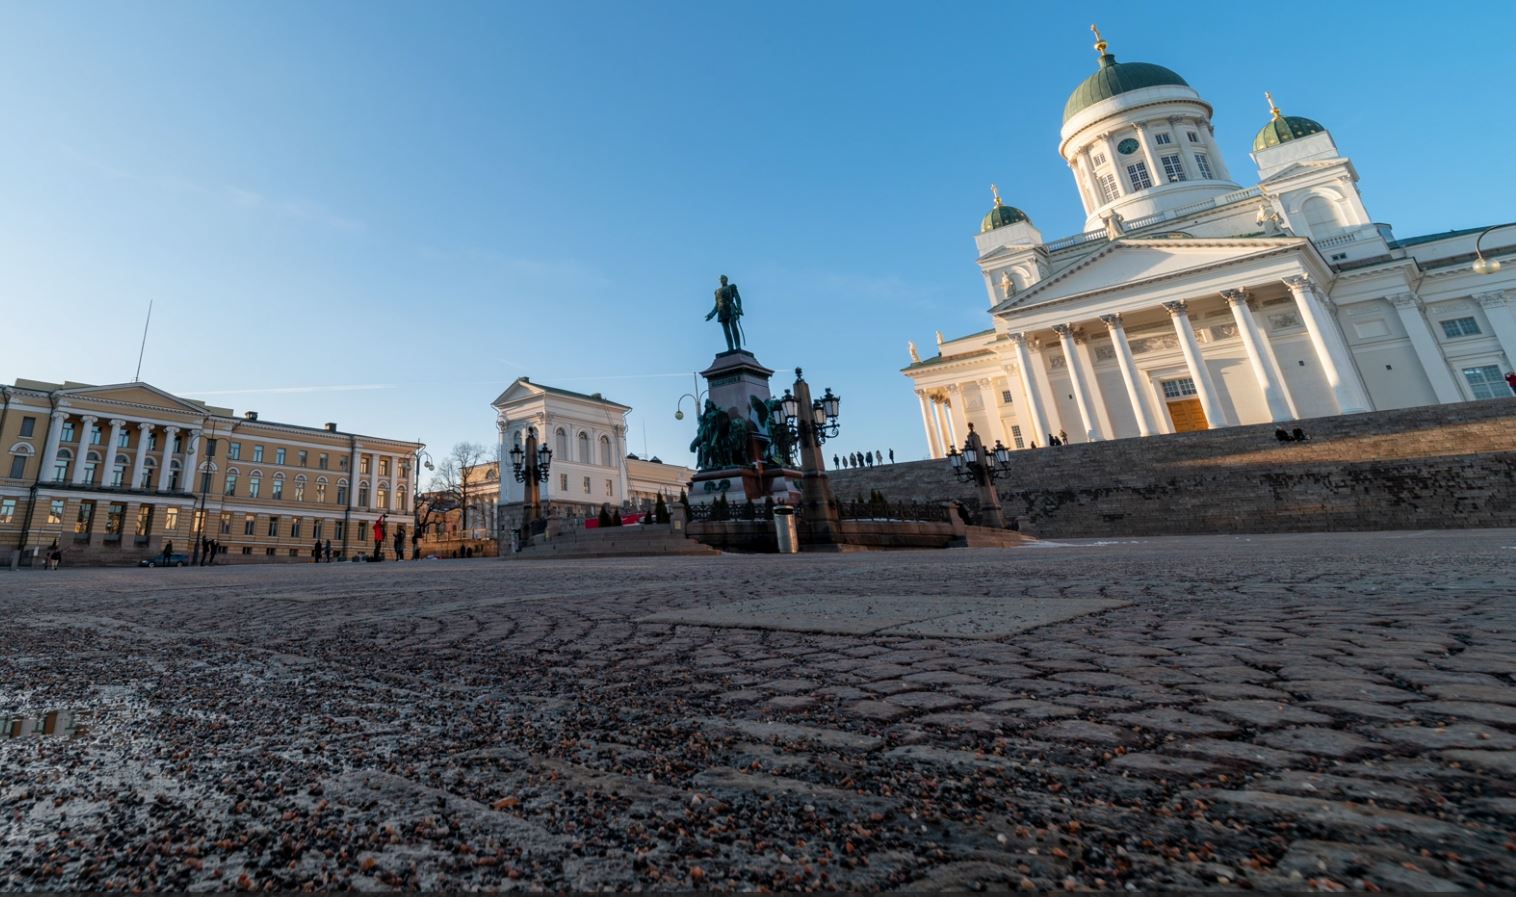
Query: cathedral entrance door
[1187, 415]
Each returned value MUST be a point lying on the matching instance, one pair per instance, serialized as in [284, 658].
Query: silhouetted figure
[1299, 435]
[1282, 436]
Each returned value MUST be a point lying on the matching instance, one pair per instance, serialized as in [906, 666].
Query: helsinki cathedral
[1190, 301]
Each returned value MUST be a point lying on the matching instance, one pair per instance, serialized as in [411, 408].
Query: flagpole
[137, 378]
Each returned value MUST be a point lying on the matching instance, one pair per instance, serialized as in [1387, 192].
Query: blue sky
[382, 213]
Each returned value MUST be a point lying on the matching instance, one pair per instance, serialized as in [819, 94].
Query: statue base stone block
[733, 381]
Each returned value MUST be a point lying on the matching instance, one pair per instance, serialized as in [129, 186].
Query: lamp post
[694, 397]
[531, 466]
[204, 472]
[1483, 265]
[421, 452]
[982, 468]
[812, 422]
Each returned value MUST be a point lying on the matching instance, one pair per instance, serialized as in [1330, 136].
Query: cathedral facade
[1190, 301]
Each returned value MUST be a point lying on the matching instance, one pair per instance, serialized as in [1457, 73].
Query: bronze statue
[728, 310]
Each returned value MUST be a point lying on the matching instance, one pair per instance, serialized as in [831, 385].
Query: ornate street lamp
[1483, 265]
[810, 423]
[531, 465]
[982, 467]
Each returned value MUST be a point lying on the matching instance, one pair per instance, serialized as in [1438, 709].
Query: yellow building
[113, 473]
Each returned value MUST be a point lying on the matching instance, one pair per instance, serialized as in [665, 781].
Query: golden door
[1187, 415]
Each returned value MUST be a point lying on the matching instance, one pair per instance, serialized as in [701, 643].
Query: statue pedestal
[734, 380]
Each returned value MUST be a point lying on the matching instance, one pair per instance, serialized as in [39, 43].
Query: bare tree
[456, 475]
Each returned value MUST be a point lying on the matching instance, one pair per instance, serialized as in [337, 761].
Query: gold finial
[1100, 44]
[1273, 110]
[995, 191]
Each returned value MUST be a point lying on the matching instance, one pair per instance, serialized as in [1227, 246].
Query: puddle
[65, 723]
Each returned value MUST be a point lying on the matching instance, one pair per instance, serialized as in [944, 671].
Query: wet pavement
[1280, 712]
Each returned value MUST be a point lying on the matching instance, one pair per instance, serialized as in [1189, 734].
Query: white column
[1428, 352]
[168, 456]
[1155, 169]
[109, 461]
[189, 475]
[1252, 343]
[1145, 425]
[1215, 416]
[1502, 318]
[85, 431]
[394, 481]
[1331, 352]
[1123, 188]
[139, 464]
[1078, 378]
[1218, 165]
[952, 411]
[1185, 147]
[1036, 412]
[994, 424]
[932, 448]
[1077, 166]
[1097, 395]
[50, 452]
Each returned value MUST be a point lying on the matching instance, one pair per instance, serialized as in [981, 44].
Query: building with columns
[111, 473]
[1192, 302]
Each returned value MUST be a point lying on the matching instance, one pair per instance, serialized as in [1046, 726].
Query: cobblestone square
[1278, 712]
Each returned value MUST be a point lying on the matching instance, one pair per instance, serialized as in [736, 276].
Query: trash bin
[786, 530]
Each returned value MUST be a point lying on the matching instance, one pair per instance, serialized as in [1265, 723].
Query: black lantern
[791, 405]
[831, 403]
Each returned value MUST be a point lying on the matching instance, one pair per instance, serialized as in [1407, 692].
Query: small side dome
[1001, 214]
[1283, 127]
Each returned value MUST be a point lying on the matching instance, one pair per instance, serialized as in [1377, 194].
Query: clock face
[1127, 147]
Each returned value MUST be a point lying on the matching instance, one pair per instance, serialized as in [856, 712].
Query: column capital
[1176, 307]
[176, 429]
[144, 426]
[1112, 320]
[60, 413]
[1064, 330]
[1298, 283]
[1404, 300]
[1017, 337]
[1235, 297]
[1140, 126]
[116, 422]
[88, 418]
[1493, 299]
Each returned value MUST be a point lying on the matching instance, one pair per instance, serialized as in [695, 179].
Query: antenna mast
[137, 378]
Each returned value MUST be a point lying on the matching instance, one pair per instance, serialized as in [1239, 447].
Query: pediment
[1310, 166]
[141, 394]
[1134, 263]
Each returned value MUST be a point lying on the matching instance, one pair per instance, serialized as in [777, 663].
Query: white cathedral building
[1192, 302]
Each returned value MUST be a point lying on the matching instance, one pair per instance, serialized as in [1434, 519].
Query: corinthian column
[139, 464]
[1409, 309]
[1145, 423]
[50, 452]
[85, 432]
[1036, 413]
[1215, 415]
[1331, 351]
[1079, 378]
[1252, 343]
[933, 450]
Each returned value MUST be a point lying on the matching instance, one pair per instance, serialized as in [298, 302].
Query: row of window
[561, 447]
[1139, 178]
[563, 485]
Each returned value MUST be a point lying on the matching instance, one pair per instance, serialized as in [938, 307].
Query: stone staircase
[617, 541]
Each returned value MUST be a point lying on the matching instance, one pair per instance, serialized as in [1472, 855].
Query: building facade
[113, 473]
[590, 467]
[1192, 302]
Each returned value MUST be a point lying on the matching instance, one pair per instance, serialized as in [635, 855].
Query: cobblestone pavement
[1297, 712]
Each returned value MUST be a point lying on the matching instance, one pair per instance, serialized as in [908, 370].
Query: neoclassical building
[590, 466]
[110, 474]
[1190, 301]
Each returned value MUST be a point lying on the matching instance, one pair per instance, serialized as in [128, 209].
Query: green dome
[1285, 127]
[1117, 77]
[1000, 216]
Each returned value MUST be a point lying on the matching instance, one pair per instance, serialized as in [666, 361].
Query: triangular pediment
[521, 388]
[1310, 166]
[1134, 263]
[143, 394]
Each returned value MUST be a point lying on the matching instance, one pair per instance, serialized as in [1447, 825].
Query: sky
[381, 214]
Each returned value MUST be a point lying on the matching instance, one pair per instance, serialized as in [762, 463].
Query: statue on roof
[728, 310]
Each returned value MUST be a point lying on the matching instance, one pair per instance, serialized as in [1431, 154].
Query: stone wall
[1429, 467]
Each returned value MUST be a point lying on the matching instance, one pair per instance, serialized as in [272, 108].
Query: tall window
[91, 464]
[1108, 189]
[563, 482]
[1137, 175]
[7, 510]
[170, 519]
[339, 529]
[363, 463]
[273, 526]
[115, 519]
[317, 526]
[234, 451]
[118, 471]
[384, 467]
[584, 448]
[258, 454]
[301, 457]
[1016, 436]
[342, 492]
[231, 484]
[1172, 169]
[561, 440]
[60, 467]
[249, 522]
[144, 520]
[320, 491]
[123, 439]
[605, 451]
[299, 488]
[1162, 139]
[94, 435]
[85, 518]
[55, 512]
[586, 485]
[279, 456]
[295, 528]
[152, 441]
[67, 433]
[321, 462]
[18, 467]
[363, 495]
[253, 483]
[1192, 136]
[1098, 159]
[1485, 382]
[149, 468]
[278, 493]
[1204, 164]
[226, 523]
[380, 495]
[28, 426]
[609, 490]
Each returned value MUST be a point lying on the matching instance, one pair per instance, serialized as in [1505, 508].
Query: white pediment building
[1192, 302]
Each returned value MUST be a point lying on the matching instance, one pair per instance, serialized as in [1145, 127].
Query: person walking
[53, 556]
[892, 456]
[316, 552]
[379, 538]
[215, 548]
[205, 550]
[1063, 438]
[168, 551]
[1510, 379]
[836, 465]
[400, 542]
[328, 551]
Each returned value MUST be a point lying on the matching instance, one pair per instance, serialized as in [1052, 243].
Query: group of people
[1061, 439]
[381, 527]
[321, 551]
[861, 459]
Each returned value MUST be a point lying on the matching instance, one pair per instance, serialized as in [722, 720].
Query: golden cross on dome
[1273, 110]
[995, 191]
[1100, 43]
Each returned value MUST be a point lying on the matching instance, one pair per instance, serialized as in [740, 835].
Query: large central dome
[1117, 77]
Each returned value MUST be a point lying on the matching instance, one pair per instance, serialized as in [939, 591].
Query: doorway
[1184, 405]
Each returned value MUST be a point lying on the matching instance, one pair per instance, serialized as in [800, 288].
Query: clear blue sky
[382, 213]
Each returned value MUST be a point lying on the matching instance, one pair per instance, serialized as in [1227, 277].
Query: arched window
[342, 492]
[149, 472]
[254, 483]
[363, 495]
[1321, 215]
[300, 487]
[118, 470]
[19, 453]
[60, 466]
[605, 451]
[320, 490]
[380, 496]
[400, 498]
[278, 491]
[562, 446]
[584, 447]
[91, 465]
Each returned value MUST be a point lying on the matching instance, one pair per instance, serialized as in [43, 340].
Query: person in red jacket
[379, 537]
[1510, 379]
